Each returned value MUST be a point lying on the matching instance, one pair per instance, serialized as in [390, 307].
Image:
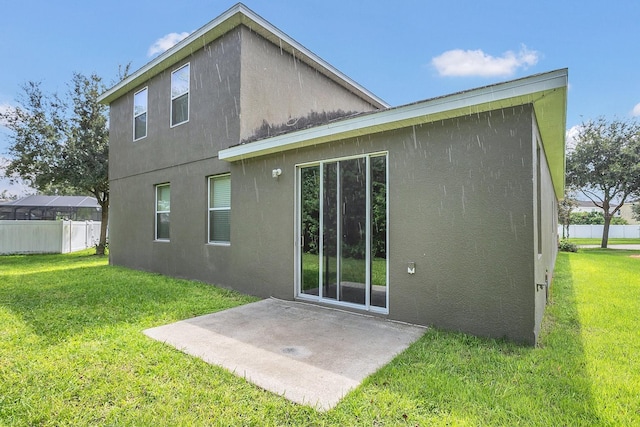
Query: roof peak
[237, 15]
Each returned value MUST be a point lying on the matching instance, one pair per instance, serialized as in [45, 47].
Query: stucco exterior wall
[471, 201]
[462, 210]
[214, 115]
[185, 155]
[278, 87]
[545, 257]
[461, 206]
[132, 224]
[182, 156]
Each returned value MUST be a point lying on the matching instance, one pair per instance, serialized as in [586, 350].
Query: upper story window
[163, 211]
[140, 114]
[180, 95]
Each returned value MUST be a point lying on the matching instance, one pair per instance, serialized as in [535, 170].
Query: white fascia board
[238, 14]
[513, 93]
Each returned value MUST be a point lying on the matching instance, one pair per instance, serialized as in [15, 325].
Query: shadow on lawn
[464, 379]
[64, 302]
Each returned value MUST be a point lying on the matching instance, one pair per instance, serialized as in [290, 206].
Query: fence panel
[30, 237]
[595, 231]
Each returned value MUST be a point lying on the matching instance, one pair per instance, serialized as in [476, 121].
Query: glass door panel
[343, 231]
[378, 178]
[353, 230]
[310, 230]
[330, 231]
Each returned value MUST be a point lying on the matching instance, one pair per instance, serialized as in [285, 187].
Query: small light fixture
[411, 268]
[276, 173]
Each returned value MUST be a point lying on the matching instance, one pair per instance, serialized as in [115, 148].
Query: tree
[86, 158]
[565, 207]
[605, 165]
[37, 126]
[62, 150]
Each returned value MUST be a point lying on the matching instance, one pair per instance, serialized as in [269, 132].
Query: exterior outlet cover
[411, 268]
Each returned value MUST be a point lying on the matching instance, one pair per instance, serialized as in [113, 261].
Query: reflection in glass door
[309, 230]
[378, 282]
[343, 231]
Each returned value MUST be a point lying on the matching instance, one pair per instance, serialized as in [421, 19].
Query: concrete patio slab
[309, 354]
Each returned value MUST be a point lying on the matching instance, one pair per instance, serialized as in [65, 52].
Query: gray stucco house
[240, 158]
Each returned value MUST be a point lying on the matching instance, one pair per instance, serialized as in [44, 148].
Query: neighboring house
[585, 206]
[589, 206]
[626, 212]
[240, 158]
[75, 208]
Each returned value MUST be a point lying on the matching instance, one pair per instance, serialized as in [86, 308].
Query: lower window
[220, 209]
[163, 211]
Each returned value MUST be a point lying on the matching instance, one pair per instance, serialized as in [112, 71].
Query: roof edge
[547, 92]
[470, 101]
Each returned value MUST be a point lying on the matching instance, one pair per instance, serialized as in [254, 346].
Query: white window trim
[146, 123]
[188, 92]
[210, 179]
[159, 212]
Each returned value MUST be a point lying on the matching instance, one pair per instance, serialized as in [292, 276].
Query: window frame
[146, 113]
[173, 98]
[210, 181]
[156, 238]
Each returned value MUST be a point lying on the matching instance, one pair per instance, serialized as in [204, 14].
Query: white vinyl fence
[38, 237]
[595, 231]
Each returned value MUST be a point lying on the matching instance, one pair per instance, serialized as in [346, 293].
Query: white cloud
[15, 187]
[166, 42]
[636, 110]
[571, 136]
[465, 63]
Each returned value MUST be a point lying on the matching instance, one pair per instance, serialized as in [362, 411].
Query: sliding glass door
[342, 256]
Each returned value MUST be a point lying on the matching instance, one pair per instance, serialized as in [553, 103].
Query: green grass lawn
[72, 352]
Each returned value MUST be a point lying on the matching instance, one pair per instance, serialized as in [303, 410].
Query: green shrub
[591, 218]
[566, 246]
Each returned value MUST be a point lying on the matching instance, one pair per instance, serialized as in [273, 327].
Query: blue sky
[403, 51]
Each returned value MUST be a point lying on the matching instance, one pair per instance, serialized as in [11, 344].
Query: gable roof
[237, 15]
[547, 92]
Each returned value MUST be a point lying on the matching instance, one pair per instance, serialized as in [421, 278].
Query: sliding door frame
[299, 244]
